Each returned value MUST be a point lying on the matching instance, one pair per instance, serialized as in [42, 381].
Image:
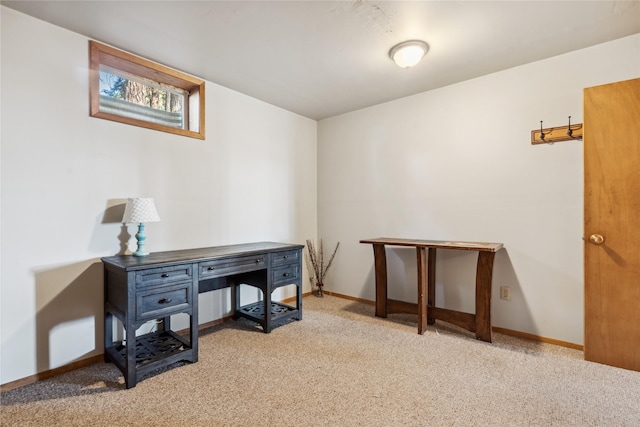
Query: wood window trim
[120, 60]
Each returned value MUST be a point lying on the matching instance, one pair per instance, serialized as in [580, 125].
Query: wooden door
[612, 224]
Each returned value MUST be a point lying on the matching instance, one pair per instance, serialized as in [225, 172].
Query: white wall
[457, 164]
[65, 176]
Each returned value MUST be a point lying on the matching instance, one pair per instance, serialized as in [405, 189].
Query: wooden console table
[427, 312]
[140, 289]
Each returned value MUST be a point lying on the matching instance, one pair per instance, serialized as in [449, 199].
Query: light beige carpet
[341, 366]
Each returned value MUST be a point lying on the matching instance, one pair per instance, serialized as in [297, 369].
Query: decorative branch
[316, 260]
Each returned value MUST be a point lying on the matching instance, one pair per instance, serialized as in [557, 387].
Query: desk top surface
[130, 262]
[440, 244]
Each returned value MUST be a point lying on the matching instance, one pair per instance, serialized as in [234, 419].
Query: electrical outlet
[505, 293]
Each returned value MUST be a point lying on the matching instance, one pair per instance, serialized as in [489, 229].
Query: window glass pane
[137, 98]
[129, 89]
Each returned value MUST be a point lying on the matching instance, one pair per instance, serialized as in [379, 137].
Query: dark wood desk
[157, 286]
[427, 312]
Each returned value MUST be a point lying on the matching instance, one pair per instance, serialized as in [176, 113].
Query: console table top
[440, 244]
[130, 262]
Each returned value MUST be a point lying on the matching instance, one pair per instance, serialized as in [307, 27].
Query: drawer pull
[258, 261]
[211, 268]
[164, 301]
[286, 257]
[164, 275]
[285, 275]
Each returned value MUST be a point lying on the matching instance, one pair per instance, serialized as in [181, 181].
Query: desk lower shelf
[153, 351]
[279, 312]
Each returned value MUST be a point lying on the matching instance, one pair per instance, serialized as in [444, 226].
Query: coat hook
[556, 134]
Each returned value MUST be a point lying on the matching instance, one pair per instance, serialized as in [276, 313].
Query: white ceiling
[323, 58]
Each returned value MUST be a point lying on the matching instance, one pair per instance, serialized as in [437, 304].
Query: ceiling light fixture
[409, 53]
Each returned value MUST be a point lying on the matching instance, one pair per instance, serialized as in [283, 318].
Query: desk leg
[483, 295]
[165, 325]
[130, 358]
[299, 300]
[380, 260]
[193, 318]
[108, 335]
[267, 309]
[422, 289]
[431, 284]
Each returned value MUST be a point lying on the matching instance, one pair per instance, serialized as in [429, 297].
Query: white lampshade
[409, 53]
[140, 210]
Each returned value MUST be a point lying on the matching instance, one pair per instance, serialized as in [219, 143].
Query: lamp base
[141, 237]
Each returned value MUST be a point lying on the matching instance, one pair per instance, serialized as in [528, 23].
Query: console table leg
[421, 254]
[380, 260]
[431, 284]
[483, 295]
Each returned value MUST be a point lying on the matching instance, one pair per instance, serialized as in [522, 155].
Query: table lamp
[140, 210]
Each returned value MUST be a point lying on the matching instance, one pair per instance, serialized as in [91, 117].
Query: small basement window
[129, 89]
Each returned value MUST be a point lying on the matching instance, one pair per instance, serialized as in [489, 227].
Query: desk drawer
[163, 301]
[285, 274]
[285, 257]
[224, 267]
[164, 275]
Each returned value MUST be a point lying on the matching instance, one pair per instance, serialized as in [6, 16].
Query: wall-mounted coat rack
[556, 134]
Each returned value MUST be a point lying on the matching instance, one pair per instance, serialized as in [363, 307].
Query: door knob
[596, 239]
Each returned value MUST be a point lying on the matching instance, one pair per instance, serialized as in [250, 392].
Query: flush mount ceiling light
[409, 53]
